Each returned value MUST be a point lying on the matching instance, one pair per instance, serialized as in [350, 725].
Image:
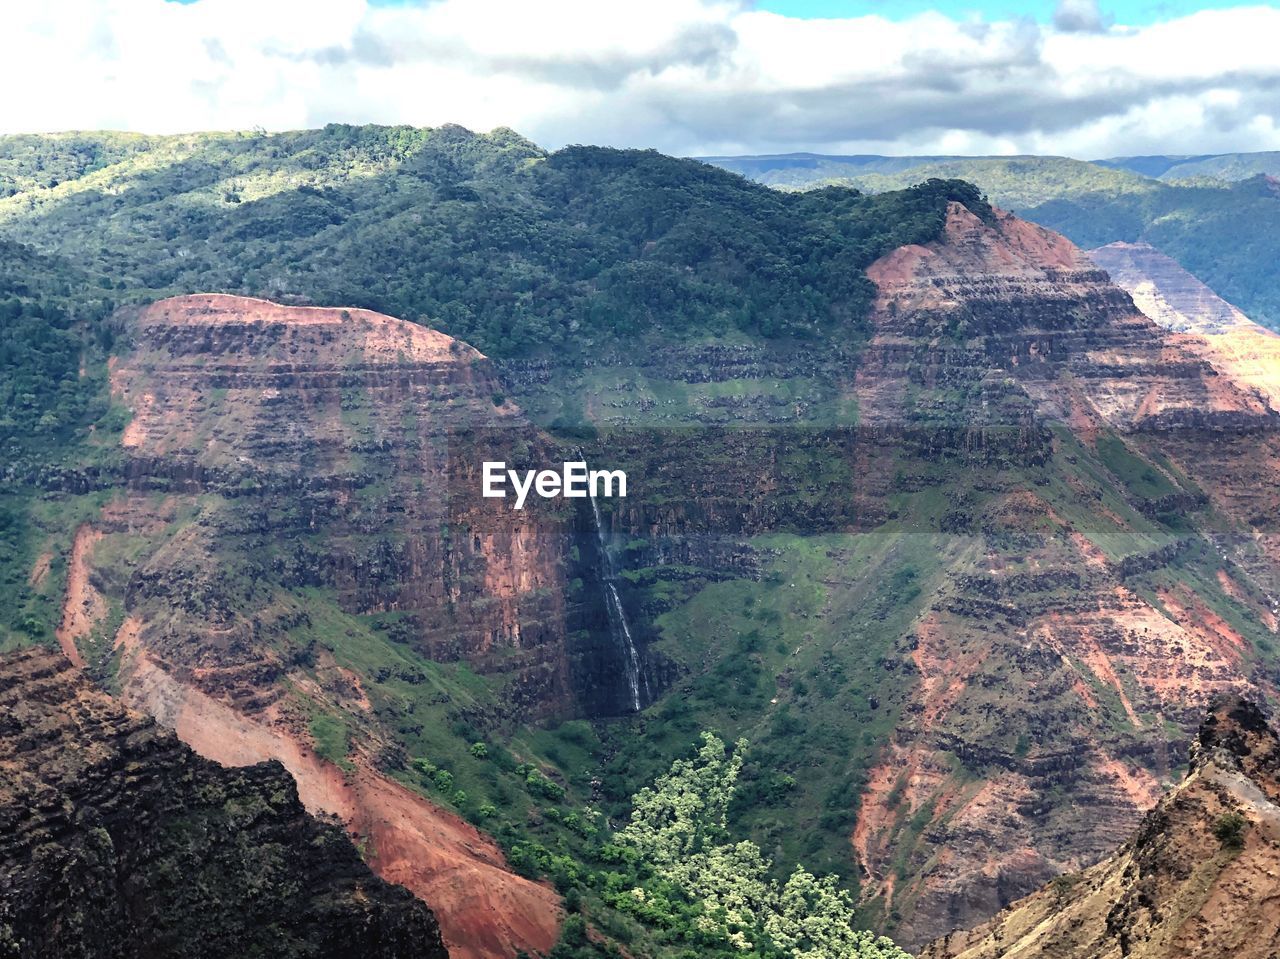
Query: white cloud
[686, 76]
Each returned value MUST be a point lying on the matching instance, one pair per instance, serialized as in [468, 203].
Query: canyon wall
[1072, 643]
[296, 540]
[298, 517]
[1198, 877]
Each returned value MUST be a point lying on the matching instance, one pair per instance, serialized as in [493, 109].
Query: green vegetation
[1014, 183]
[799, 662]
[52, 340]
[674, 881]
[1141, 478]
[331, 737]
[1221, 166]
[1229, 829]
[679, 831]
[1219, 217]
[489, 238]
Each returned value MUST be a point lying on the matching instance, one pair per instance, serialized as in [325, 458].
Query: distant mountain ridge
[1222, 166]
[1217, 215]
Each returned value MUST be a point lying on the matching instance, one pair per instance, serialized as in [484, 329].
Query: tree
[814, 920]
[679, 829]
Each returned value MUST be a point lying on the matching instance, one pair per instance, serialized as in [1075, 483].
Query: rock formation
[345, 449]
[1062, 650]
[1164, 291]
[118, 841]
[297, 481]
[1002, 320]
[1200, 877]
[1208, 325]
[294, 534]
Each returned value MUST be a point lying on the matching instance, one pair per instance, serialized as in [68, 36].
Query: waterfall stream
[619, 628]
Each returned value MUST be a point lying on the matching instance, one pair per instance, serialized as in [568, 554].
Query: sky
[1084, 78]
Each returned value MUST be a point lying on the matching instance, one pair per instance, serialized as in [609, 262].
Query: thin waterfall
[619, 628]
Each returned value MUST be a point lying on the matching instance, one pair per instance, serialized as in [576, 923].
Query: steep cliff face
[1200, 877]
[1237, 469]
[297, 564]
[119, 841]
[344, 449]
[1006, 302]
[1083, 620]
[1164, 291]
[1210, 327]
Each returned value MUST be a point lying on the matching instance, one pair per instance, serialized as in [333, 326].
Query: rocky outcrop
[1200, 877]
[335, 449]
[1237, 471]
[119, 841]
[1210, 327]
[484, 910]
[1062, 651]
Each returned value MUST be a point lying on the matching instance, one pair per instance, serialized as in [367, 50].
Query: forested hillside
[488, 238]
[1218, 216]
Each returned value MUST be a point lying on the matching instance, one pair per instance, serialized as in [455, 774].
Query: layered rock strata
[1200, 876]
[1057, 665]
[300, 513]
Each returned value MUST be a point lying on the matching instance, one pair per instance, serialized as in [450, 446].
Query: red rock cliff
[1062, 648]
[295, 478]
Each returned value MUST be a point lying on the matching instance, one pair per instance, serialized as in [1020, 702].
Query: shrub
[1229, 829]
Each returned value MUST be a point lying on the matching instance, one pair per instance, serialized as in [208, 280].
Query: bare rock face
[1003, 321]
[1059, 660]
[1200, 877]
[303, 484]
[1207, 325]
[345, 450]
[116, 840]
[1237, 469]
[1164, 291]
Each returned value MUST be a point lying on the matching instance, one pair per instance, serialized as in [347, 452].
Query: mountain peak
[1005, 246]
[1237, 737]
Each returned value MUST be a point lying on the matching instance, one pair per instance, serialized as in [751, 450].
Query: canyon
[965, 570]
[287, 466]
